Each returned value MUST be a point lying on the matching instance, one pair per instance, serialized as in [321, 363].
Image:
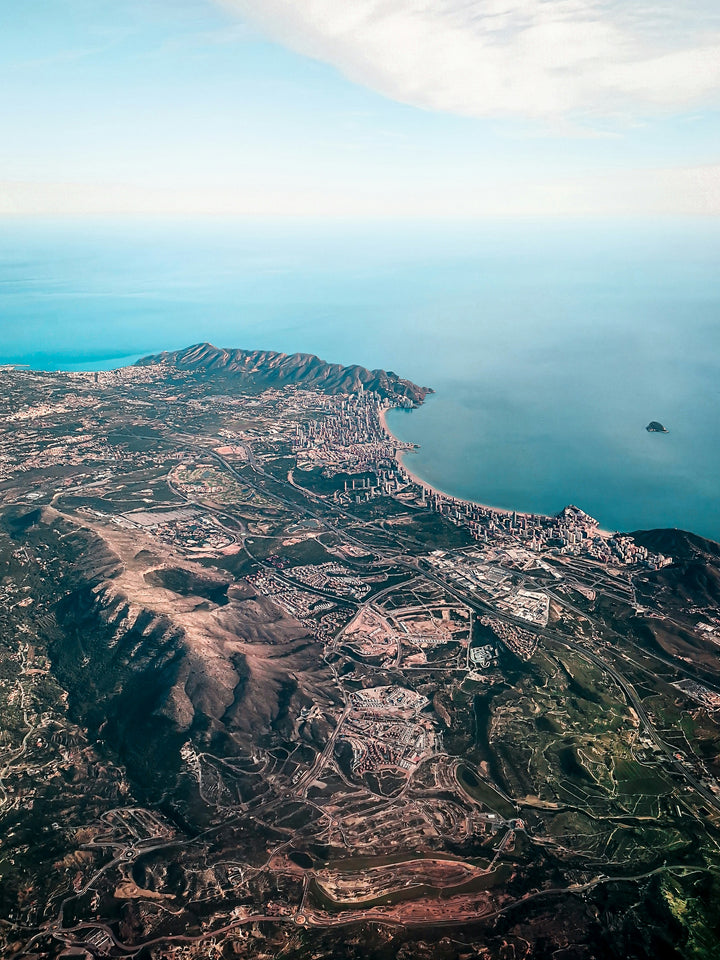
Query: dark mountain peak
[305, 370]
[679, 544]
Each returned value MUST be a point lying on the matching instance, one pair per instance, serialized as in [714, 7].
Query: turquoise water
[550, 345]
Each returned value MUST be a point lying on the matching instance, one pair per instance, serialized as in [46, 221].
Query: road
[477, 604]
[330, 516]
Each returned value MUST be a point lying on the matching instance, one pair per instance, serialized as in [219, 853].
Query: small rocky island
[655, 427]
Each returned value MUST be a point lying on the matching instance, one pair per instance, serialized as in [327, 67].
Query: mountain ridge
[304, 370]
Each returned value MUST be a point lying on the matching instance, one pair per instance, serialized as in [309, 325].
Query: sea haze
[550, 345]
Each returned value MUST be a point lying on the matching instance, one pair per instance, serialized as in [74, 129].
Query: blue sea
[550, 345]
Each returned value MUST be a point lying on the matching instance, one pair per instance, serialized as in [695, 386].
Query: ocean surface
[550, 345]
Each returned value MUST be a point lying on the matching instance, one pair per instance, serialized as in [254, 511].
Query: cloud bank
[534, 58]
[635, 192]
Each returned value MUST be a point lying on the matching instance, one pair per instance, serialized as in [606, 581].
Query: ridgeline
[271, 369]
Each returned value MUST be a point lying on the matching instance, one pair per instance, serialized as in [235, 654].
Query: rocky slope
[154, 650]
[267, 368]
[681, 596]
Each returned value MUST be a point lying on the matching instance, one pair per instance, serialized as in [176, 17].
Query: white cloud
[537, 58]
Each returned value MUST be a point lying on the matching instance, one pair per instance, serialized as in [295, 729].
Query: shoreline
[104, 365]
[429, 488]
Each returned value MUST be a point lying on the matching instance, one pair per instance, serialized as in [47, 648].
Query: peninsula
[267, 368]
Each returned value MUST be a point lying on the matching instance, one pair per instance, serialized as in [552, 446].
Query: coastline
[62, 365]
[430, 489]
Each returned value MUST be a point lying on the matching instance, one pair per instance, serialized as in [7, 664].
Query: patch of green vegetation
[263, 547]
[687, 725]
[438, 533]
[635, 779]
[546, 724]
[381, 508]
[314, 481]
[583, 681]
[9, 668]
[571, 765]
[481, 791]
[238, 564]
[279, 466]
[696, 912]
[572, 823]
[306, 551]
[45, 692]
[392, 580]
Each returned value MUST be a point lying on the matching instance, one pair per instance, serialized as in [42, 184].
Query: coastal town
[258, 678]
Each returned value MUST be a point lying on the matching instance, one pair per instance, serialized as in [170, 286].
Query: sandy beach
[429, 488]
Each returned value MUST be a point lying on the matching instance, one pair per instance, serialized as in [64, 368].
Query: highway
[478, 605]
[336, 520]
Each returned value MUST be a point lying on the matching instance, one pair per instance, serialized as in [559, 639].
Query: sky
[360, 108]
